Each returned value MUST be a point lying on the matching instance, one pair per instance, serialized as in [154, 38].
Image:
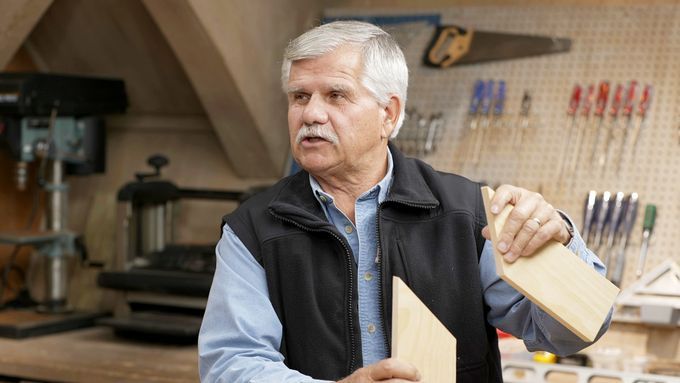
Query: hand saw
[454, 45]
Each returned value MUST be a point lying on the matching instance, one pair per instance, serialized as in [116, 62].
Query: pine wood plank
[555, 279]
[419, 338]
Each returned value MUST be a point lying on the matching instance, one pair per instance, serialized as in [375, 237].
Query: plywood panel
[419, 338]
[233, 118]
[234, 64]
[17, 19]
[556, 280]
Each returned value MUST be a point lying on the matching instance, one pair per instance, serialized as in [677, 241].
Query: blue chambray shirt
[363, 240]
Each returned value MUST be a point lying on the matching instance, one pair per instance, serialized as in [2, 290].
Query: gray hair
[385, 72]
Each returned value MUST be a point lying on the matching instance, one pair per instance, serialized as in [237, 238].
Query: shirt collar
[381, 188]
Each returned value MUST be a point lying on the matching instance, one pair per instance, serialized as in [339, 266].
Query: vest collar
[296, 201]
[408, 186]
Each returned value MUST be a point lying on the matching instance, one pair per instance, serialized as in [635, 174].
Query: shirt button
[323, 198]
[368, 276]
[371, 328]
[349, 229]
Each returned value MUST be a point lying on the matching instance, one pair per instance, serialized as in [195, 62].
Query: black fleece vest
[429, 235]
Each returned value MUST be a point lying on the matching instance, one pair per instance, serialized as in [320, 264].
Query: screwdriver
[614, 114]
[627, 228]
[613, 227]
[600, 108]
[496, 120]
[628, 114]
[574, 102]
[647, 227]
[602, 213]
[498, 103]
[643, 107]
[485, 109]
[518, 133]
[586, 105]
[588, 214]
[473, 114]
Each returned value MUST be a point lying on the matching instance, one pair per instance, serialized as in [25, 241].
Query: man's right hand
[387, 370]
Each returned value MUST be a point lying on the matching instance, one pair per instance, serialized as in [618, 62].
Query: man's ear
[391, 116]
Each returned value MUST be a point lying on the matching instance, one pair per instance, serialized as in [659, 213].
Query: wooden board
[96, 355]
[419, 338]
[556, 280]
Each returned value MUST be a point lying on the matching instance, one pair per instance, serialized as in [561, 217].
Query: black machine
[164, 286]
[55, 121]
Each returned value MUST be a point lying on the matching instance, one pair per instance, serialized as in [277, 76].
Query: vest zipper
[348, 253]
[381, 277]
[380, 263]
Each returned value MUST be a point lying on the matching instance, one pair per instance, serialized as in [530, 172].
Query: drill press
[54, 121]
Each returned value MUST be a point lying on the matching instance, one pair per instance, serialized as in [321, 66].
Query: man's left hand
[531, 223]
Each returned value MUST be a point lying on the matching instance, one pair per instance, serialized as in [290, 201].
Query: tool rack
[614, 43]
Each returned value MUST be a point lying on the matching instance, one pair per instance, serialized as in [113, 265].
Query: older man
[302, 287]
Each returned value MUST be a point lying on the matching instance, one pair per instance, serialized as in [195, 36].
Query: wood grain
[556, 280]
[96, 355]
[419, 338]
[17, 19]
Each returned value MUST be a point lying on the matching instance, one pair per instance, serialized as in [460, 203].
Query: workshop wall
[611, 43]
[618, 43]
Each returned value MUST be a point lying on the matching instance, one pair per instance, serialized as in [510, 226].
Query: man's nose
[315, 111]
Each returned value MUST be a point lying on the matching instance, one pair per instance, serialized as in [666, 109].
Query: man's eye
[300, 97]
[337, 95]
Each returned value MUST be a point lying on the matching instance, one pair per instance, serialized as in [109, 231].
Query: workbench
[96, 355]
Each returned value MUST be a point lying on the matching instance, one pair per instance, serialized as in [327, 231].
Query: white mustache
[316, 130]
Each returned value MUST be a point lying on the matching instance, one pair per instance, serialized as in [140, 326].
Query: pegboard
[613, 43]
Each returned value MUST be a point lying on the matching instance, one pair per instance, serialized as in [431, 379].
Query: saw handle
[449, 44]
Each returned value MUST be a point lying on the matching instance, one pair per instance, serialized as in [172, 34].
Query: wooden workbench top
[96, 355]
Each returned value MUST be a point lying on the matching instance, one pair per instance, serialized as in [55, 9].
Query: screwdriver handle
[645, 101]
[499, 99]
[477, 94]
[602, 213]
[631, 214]
[575, 100]
[526, 104]
[616, 218]
[487, 97]
[630, 97]
[588, 100]
[588, 214]
[650, 217]
[602, 97]
[616, 102]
